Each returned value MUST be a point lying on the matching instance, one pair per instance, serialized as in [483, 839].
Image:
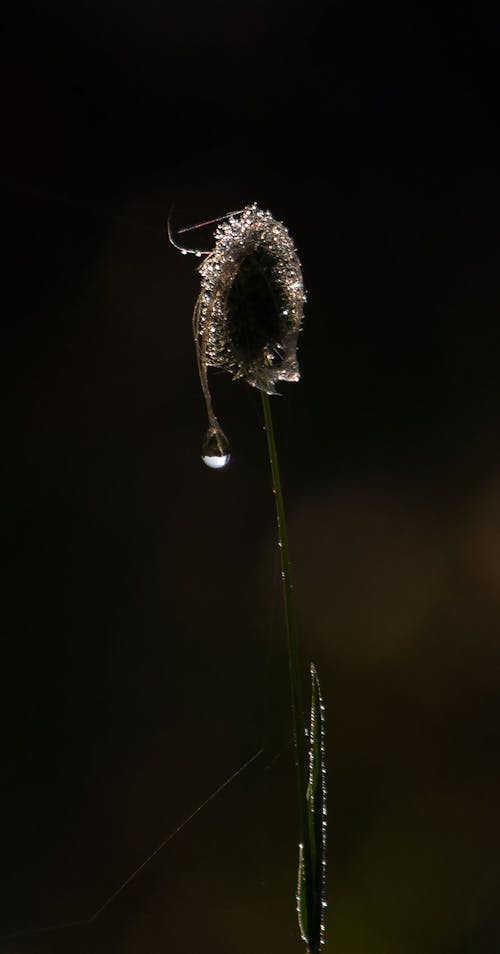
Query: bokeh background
[143, 653]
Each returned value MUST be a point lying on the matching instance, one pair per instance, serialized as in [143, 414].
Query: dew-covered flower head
[249, 311]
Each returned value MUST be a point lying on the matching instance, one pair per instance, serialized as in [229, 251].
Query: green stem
[291, 629]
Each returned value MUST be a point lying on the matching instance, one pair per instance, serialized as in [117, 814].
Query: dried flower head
[249, 311]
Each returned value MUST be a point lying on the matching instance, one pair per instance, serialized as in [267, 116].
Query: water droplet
[215, 449]
[184, 251]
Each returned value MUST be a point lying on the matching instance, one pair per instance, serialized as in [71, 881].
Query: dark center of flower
[254, 307]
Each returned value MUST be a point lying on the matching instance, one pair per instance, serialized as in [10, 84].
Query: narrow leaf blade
[311, 901]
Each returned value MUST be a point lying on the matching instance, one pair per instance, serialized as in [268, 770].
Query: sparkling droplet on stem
[215, 451]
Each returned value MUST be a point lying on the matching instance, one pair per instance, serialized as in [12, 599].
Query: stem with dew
[301, 763]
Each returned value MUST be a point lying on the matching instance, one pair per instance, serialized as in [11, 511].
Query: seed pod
[249, 311]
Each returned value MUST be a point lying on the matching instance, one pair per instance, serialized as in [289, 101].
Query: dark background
[143, 654]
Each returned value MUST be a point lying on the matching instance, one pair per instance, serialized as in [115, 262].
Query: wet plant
[246, 321]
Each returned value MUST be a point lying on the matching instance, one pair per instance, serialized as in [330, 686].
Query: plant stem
[291, 631]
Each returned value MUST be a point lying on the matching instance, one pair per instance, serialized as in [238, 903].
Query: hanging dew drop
[215, 451]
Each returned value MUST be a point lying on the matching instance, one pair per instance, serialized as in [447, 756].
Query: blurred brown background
[143, 653]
